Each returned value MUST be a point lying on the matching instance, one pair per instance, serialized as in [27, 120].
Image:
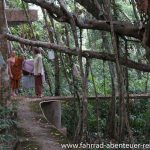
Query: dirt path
[38, 131]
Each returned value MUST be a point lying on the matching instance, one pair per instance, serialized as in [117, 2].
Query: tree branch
[121, 28]
[85, 53]
[91, 7]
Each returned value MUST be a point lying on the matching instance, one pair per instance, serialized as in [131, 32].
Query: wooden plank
[17, 16]
[71, 98]
[68, 98]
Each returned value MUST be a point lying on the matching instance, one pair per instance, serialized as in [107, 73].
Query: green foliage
[70, 117]
[14, 3]
[100, 1]
[92, 40]
[6, 126]
[125, 11]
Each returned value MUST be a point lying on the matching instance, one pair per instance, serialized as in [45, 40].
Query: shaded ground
[39, 131]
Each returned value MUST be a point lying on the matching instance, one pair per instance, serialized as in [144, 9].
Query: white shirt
[38, 65]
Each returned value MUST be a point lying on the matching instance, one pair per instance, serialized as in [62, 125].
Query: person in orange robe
[15, 71]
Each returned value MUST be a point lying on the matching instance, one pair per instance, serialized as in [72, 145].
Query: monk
[14, 71]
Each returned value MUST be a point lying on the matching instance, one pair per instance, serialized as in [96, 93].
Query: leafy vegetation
[7, 123]
[101, 76]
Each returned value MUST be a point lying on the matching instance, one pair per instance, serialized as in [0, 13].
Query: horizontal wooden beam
[18, 16]
[71, 98]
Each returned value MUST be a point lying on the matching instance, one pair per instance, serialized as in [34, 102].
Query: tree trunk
[56, 61]
[111, 128]
[3, 30]
[4, 80]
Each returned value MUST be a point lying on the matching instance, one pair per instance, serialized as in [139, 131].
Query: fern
[6, 138]
[7, 123]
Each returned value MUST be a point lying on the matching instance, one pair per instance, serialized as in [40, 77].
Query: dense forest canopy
[101, 49]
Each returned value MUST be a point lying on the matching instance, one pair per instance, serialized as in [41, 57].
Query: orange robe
[16, 70]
